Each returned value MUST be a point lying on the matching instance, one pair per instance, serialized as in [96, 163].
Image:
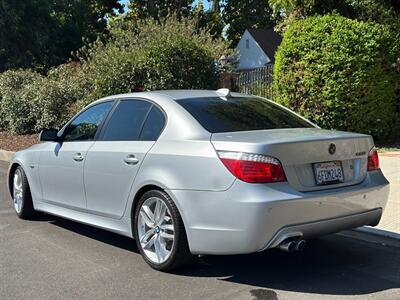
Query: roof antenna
[224, 93]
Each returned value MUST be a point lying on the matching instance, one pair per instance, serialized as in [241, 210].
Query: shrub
[178, 63]
[166, 55]
[31, 102]
[55, 99]
[16, 105]
[170, 54]
[339, 73]
[112, 69]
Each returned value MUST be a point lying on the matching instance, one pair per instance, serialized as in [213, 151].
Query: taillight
[253, 168]
[373, 160]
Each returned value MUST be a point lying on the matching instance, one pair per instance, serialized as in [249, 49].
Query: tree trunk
[216, 6]
[152, 9]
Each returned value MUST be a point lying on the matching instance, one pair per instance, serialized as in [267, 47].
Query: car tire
[179, 253]
[21, 194]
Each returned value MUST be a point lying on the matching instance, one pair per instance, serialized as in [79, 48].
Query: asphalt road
[51, 258]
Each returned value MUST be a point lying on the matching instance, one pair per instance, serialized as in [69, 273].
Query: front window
[85, 125]
[241, 114]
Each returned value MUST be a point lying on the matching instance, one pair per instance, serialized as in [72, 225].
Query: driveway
[51, 258]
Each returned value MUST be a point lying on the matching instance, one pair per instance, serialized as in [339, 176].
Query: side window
[153, 126]
[126, 121]
[85, 125]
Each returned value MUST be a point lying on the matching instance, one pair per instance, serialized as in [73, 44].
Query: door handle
[131, 159]
[78, 157]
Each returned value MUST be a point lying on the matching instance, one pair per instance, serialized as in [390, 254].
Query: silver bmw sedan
[189, 172]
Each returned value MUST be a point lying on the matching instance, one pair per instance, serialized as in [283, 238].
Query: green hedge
[56, 98]
[31, 102]
[340, 73]
[17, 112]
[168, 55]
[154, 56]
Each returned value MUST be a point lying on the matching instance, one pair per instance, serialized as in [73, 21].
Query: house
[257, 48]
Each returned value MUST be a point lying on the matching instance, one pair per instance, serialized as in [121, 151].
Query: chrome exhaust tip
[293, 245]
[288, 246]
[300, 245]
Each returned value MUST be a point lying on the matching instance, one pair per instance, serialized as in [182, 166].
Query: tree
[41, 33]
[200, 6]
[24, 33]
[216, 7]
[78, 22]
[380, 11]
[210, 19]
[240, 15]
[158, 9]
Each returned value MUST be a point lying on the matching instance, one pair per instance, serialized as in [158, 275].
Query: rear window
[240, 114]
[127, 121]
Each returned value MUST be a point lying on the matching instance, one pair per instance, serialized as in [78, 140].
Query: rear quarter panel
[185, 165]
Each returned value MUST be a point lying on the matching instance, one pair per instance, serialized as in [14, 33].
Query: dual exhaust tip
[293, 245]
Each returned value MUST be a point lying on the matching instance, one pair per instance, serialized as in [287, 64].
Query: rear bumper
[252, 217]
[323, 227]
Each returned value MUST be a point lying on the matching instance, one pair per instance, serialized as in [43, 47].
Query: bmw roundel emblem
[332, 148]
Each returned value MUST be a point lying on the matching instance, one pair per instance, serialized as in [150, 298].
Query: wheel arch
[141, 192]
[11, 171]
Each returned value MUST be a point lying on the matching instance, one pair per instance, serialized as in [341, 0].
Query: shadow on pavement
[91, 232]
[333, 265]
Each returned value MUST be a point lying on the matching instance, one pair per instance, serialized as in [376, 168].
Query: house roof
[268, 39]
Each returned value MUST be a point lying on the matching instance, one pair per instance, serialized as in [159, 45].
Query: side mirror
[48, 135]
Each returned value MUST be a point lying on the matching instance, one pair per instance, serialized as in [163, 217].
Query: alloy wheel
[18, 191]
[156, 230]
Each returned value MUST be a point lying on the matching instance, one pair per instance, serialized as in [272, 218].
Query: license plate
[328, 172]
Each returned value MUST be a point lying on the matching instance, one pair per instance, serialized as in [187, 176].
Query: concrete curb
[378, 232]
[6, 155]
[390, 154]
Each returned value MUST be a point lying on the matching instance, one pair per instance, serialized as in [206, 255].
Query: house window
[247, 44]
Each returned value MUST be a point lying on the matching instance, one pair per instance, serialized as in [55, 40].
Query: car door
[61, 163]
[114, 160]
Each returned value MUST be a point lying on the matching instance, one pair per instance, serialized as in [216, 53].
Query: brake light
[373, 160]
[253, 168]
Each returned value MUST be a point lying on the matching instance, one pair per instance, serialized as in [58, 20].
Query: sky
[206, 4]
[124, 2]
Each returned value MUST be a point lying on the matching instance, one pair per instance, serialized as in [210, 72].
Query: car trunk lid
[300, 149]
